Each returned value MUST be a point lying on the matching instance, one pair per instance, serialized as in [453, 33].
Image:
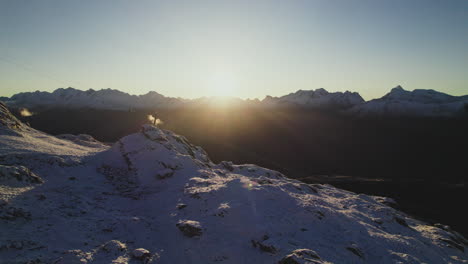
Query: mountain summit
[101, 99]
[153, 197]
[420, 102]
[398, 102]
[319, 98]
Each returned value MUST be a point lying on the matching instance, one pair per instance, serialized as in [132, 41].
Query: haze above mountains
[397, 102]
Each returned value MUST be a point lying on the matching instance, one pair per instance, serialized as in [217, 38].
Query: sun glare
[222, 85]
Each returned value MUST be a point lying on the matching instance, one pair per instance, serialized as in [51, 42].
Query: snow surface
[103, 204]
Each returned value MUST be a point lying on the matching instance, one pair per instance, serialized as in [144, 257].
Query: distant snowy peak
[420, 102]
[319, 98]
[398, 102]
[421, 96]
[100, 99]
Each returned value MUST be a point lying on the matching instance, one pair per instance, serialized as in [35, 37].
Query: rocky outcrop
[190, 228]
[113, 251]
[9, 124]
[302, 256]
[18, 176]
[141, 254]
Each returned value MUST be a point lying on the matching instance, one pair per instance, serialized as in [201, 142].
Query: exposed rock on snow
[17, 175]
[165, 173]
[190, 228]
[264, 245]
[81, 139]
[203, 213]
[10, 213]
[302, 256]
[113, 251]
[356, 251]
[114, 246]
[141, 254]
[181, 206]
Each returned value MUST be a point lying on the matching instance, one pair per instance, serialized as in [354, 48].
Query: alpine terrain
[153, 197]
[420, 102]
[398, 102]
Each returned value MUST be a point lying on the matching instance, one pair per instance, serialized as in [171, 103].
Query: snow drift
[153, 197]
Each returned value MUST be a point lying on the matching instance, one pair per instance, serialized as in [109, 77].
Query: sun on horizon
[222, 84]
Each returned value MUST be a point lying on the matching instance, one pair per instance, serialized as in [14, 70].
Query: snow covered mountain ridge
[319, 98]
[114, 99]
[397, 102]
[101, 99]
[400, 102]
[153, 197]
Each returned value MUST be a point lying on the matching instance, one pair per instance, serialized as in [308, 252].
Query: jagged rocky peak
[319, 98]
[427, 96]
[419, 102]
[66, 90]
[153, 94]
[396, 93]
[96, 99]
[318, 91]
[398, 88]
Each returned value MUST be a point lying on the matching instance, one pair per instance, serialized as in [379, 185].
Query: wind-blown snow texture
[155, 198]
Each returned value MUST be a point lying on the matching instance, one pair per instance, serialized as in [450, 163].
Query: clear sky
[242, 48]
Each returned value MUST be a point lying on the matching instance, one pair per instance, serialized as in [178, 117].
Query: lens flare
[250, 185]
[25, 112]
[155, 121]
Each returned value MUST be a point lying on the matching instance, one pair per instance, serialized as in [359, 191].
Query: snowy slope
[21, 142]
[400, 102]
[319, 98]
[155, 198]
[101, 99]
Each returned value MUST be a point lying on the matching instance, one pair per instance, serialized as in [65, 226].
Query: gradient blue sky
[241, 48]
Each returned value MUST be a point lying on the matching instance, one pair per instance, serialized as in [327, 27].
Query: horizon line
[226, 96]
